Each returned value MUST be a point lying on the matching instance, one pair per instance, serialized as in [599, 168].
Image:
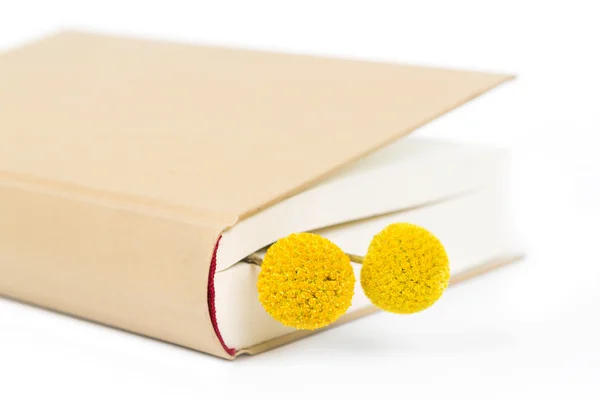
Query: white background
[525, 332]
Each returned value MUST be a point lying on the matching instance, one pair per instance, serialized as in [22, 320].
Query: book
[126, 163]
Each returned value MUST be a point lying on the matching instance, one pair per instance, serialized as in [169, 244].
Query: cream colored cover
[123, 160]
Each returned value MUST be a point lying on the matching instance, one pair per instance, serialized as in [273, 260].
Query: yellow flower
[405, 269]
[306, 281]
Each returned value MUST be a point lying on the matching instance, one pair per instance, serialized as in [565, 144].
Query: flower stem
[257, 260]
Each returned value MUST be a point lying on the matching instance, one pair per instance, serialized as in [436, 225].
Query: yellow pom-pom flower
[306, 281]
[405, 269]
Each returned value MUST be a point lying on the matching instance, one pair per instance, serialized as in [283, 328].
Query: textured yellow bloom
[306, 281]
[405, 270]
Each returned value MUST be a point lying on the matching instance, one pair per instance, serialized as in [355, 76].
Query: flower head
[306, 281]
[405, 269]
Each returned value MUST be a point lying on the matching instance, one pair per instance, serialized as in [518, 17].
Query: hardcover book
[137, 176]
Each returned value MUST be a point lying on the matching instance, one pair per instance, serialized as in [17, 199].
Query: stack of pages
[457, 191]
[136, 176]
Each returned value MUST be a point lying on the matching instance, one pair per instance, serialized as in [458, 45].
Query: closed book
[134, 173]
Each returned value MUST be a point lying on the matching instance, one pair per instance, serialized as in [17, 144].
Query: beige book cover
[123, 161]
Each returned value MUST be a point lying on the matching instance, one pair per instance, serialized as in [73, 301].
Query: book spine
[119, 265]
